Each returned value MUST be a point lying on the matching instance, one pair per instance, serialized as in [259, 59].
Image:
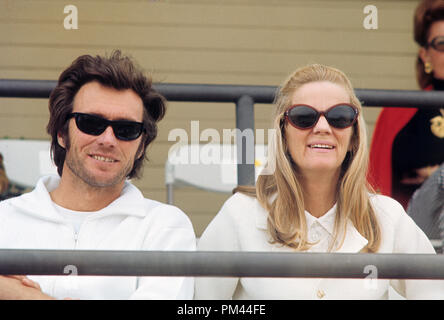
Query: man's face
[103, 160]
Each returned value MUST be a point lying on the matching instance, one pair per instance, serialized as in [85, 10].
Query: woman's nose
[322, 125]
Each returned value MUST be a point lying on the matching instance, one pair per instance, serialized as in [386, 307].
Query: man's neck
[82, 197]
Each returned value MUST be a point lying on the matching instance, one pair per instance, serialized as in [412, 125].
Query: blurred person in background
[427, 207]
[9, 189]
[3, 178]
[408, 143]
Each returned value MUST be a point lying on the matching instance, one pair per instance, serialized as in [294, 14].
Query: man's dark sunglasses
[339, 116]
[437, 43]
[96, 125]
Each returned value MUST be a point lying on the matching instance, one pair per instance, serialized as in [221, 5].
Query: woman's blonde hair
[281, 194]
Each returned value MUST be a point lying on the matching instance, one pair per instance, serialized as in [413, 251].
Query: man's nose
[107, 137]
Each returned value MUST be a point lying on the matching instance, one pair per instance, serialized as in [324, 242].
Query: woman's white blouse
[241, 225]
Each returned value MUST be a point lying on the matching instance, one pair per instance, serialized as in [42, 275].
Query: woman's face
[436, 58]
[320, 149]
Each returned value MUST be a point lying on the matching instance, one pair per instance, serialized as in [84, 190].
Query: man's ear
[61, 141]
[140, 152]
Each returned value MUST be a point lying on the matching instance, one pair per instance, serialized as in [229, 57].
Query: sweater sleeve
[173, 231]
[409, 238]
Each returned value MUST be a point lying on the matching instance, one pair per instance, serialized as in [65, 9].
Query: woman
[316, 200]
[408, 143]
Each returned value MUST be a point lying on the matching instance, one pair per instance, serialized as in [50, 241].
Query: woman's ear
[423, 55]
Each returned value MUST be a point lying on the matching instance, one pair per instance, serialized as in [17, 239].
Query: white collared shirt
[232, 230]
[320, 230]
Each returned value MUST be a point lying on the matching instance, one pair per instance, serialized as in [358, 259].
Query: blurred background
[245, 42]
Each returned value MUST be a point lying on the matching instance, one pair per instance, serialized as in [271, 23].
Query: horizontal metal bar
[221, 264]
[17, 88]
[215, 93]
[401, 98]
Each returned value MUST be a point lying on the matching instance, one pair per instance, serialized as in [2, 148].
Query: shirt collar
[353, 241]
[38, 202]
[327, 221]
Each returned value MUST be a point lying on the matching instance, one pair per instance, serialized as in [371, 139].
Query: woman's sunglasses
[95, 125]
[339, 116]
[437, 43]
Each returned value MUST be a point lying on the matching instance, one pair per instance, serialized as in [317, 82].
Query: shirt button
[315, 236]
[320, 293]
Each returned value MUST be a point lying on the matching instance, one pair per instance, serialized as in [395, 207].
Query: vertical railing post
[245, 140]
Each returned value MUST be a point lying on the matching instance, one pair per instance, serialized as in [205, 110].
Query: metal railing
[244, 97]
[233, 264]
[220, 264]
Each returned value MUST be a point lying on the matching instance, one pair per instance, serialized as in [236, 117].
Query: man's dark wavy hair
[116, 71]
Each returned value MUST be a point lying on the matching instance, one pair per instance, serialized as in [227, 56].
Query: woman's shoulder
[241, 199]
[242, 206]
[386, 208]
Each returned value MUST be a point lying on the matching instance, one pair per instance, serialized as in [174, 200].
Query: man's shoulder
[133, 197]
[18, 201]
[165, 213]
[158, 207]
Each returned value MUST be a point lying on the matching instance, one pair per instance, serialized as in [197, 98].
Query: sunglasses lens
[341, 116]
[302, 117]
[94, 125]
[90, 124]
[127, 130]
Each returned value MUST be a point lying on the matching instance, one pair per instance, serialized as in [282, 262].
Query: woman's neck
[319, 194]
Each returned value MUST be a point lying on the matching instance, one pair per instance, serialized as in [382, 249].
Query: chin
[103, 181]
[324, 168]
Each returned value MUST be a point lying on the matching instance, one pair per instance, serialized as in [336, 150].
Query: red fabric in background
[388, 125]
[390, 122]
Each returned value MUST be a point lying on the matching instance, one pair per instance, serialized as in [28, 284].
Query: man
[427, 207]
[8, 189]
[103, 115]
[4, 182]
